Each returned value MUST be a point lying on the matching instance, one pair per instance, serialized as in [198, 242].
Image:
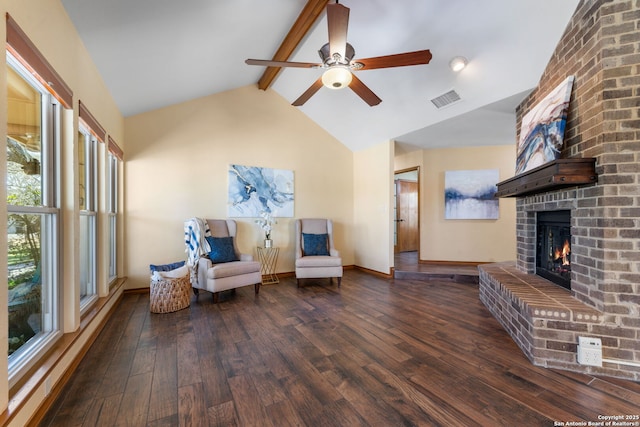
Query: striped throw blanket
[195, 232]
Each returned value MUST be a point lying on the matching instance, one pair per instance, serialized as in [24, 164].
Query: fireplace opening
[553, 247]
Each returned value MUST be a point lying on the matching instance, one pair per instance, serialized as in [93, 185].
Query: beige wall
[476, 239]
[177, 163]
[465, 240]
[373, 207]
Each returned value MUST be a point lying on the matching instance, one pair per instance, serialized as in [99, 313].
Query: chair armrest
[204, 263]
[246, 257]
[334, 252]
[199, 279]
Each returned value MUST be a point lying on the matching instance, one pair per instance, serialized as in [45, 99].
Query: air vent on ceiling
[446, 99]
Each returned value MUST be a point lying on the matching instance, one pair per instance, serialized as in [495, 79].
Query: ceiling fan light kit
[337, 77]
[337, 60]
[458, 63]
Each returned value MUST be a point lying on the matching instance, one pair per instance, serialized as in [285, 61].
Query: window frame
[112, 214]
[89, 291]
[50, 240]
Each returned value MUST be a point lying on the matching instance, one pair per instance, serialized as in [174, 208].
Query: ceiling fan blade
[338, 21]
[399, 60]
[267, 63]
[308, 93]
[364, 92]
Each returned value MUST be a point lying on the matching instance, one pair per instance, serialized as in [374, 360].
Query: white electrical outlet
[590, 351]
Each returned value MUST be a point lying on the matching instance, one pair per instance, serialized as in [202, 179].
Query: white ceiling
[154, 53]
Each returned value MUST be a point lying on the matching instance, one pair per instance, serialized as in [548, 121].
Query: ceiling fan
[337, 60]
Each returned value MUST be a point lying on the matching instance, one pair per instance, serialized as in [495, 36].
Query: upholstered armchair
[316, 257]
[225, 268]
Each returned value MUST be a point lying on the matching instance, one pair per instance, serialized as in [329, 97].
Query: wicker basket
[168, 295]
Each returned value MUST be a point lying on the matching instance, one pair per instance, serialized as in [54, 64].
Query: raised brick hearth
[543, 318]
[601, 48]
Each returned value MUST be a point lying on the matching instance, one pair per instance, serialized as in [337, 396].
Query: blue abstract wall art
[542, 130]
[253, 190]
[469, 194]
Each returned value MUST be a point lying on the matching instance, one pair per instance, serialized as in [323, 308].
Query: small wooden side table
[268, 258]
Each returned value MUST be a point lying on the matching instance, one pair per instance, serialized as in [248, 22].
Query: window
[33, 143]
[112, 213]
[87, 183]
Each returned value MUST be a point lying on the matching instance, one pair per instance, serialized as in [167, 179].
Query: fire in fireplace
[553, 247]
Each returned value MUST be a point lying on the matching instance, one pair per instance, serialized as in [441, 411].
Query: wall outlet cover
[590, 351]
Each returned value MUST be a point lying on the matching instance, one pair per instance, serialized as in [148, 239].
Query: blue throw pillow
[166, 267]
[221, 249]
[315, 244]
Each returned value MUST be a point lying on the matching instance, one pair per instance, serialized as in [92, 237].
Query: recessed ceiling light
[458, 63]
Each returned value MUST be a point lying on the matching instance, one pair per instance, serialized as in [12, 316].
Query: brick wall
[601, 48]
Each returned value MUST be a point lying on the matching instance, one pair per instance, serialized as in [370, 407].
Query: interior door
[407, 216]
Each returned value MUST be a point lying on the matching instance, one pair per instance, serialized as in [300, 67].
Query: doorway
[407, 212]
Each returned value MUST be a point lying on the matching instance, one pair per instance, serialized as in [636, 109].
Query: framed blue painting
[470, 194]
[254, 190]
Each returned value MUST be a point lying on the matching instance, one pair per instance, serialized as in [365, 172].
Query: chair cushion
[234, 268]
[315, 244]
[319, 261]
[172, 274]
[166, 267]
[222, 249]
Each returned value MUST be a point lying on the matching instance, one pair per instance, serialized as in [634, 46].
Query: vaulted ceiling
[154, 53]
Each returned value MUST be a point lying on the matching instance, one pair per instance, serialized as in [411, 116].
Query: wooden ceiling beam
[298, 31]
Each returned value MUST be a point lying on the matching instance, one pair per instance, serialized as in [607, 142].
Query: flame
[563, 253]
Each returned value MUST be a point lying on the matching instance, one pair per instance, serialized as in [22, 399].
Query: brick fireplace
[601, 48]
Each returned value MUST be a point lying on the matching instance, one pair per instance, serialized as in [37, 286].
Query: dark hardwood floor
[374, 352]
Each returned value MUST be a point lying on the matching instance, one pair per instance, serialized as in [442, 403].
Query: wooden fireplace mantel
[554, 175]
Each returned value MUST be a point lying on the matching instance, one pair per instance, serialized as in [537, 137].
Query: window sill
[26, 388]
